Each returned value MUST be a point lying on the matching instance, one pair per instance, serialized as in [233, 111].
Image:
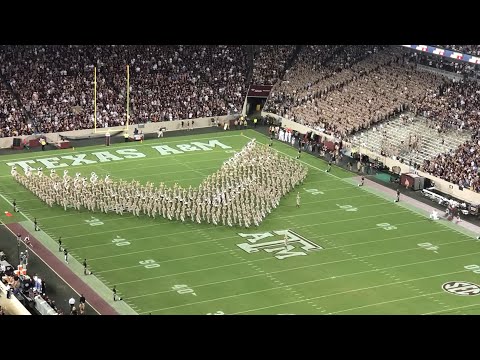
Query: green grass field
[375, 256]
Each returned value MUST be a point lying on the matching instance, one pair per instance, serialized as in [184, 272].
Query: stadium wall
[441, 185]
[146, 128]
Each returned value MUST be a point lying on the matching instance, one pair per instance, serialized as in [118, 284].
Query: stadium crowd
[332, 89]
[270, 62]
[55, 83]
[353, 90]
[12, 119]
[457, 107]
[339, 89]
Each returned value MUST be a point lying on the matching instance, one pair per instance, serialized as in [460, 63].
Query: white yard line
[299, 301]
[146, 237]
[306, 282]
[229, 237]
[450, 309]
[270, 258]
[145, 226]
[385, 302]
[162, 262]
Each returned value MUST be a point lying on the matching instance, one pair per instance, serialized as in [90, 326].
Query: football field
[351, 251]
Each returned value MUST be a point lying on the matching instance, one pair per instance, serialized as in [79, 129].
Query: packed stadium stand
[355, 92]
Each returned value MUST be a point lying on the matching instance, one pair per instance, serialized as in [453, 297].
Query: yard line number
[347, 207]
[183, 289]
[314, 191]
[120, 241]
[386, 226]
[217, 313]
[149, 264]
[474, 268]
[93, 221]
[428, 246]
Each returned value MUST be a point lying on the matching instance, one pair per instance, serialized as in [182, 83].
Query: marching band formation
[245, 189]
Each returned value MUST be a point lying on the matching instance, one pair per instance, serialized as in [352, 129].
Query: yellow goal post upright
[128, 97]
[95, 99]
[95, 131]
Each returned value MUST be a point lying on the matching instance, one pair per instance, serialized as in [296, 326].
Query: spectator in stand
[166, 83]
[371, 85]
[270, 63]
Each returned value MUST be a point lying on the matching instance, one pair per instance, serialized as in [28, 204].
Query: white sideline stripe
[123, 146]
[310, 281]
[272, 258]
[450, 309]
[209, 239]
[387, 302]
[305, 300]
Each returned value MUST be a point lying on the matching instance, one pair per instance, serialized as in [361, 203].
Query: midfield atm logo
[274, 242]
